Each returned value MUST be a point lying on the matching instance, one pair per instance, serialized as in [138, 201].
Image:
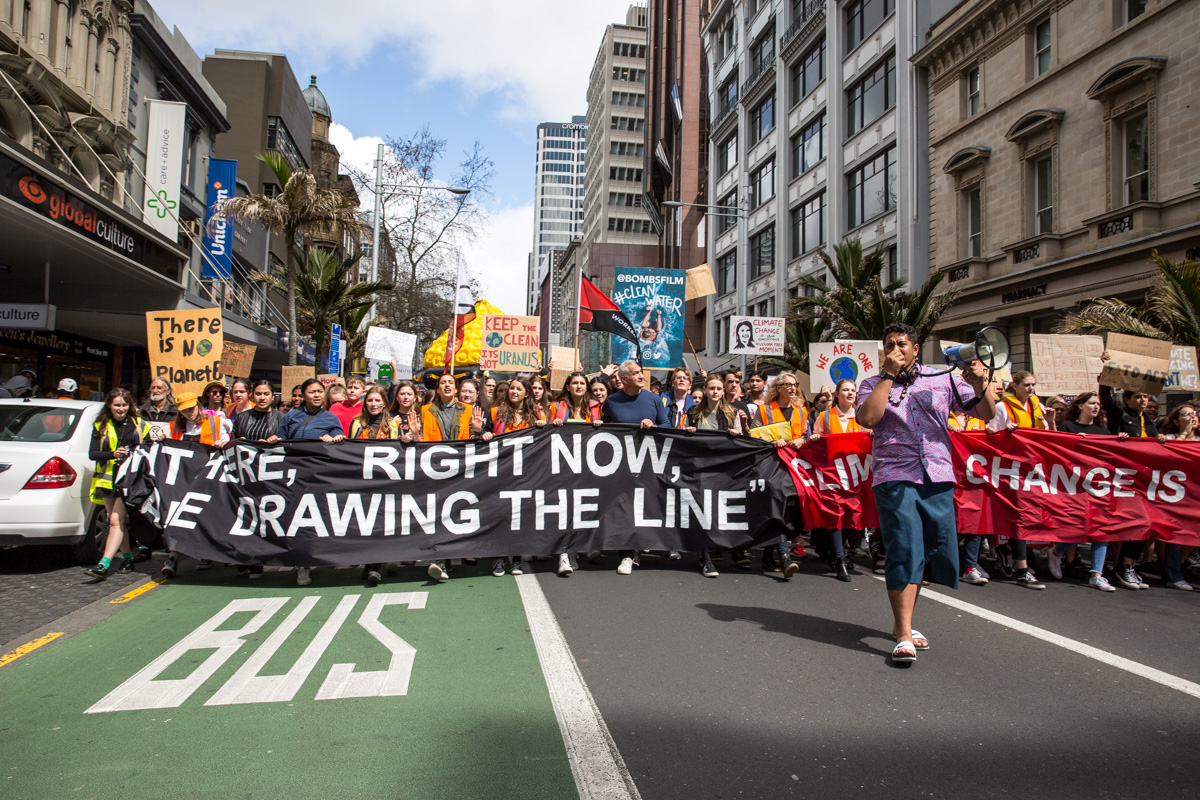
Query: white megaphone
[990, 348]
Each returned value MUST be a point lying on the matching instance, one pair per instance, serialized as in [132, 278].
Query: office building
[557, 197]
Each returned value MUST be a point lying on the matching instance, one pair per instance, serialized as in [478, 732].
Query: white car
[46, 475]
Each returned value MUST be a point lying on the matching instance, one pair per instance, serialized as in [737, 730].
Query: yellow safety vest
[102, 478]
[1031, 417]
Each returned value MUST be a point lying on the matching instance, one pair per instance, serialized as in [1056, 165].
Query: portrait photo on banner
[756, 336]
[653, 300]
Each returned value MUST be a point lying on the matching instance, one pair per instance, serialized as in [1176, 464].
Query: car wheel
[95, 534]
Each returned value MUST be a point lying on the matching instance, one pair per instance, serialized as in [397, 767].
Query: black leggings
[1020, 552]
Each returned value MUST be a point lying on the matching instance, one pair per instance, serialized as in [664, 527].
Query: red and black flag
[598, 313]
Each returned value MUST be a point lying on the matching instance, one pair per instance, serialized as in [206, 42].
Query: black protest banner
[531, 492]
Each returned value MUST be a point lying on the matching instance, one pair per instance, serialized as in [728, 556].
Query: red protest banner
[1034, 485]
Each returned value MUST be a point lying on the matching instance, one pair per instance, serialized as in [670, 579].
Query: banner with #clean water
[653, 300]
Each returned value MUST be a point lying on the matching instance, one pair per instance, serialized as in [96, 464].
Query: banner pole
[692, 347]
[578, 312]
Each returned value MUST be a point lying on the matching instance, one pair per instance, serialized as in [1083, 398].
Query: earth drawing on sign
[843, 369]
[494, 339]
[203, 347]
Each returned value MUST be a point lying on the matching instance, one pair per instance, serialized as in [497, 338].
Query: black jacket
[1122, 419]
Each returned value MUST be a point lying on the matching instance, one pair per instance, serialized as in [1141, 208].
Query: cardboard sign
[830, 362]
[562, 364]
[294, 376]
[386, 345]
[510, 344]
[237, 358]
[330, 379]
[185, 347]
[1183, 376]
[1065, 365]
[756, 336]
[698, 282]
[162, 430]
[1136, 364]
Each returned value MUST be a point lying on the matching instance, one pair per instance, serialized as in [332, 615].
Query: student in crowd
[1080, 418]
[346, 410]
[117, 430]
[468, 392]
[831, 422]
[498, 395]
[297, 397]
[1130, 419]
[633, 405]
[212, 399]
[1019, 407]
[677, 399]
[374, 423]
[733, 396]
[784, 403]
[574, 404]
[260, 422]
[541, 397]
[516, 411]
[698, 394]
[1056, 406]
[489, 391]
[712, 414]
[756, 391]
[407, 411]
[599, 388]
[336, 393]
[969, 543]
[1179, 426]
[239, 399]
[158, 407]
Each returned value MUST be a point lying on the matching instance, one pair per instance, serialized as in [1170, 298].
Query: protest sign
[1136, 364]
[185, 347]
[542, 490]
[652, 299]
[510, 344]
[756, 336]
[698, 282]
[330, 379]
[237, 359]
[562, 363]
[386, 345]
[830, 362]
[294, 376]
[1066, 365]
[1183, 375]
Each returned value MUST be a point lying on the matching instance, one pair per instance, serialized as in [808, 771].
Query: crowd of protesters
[481, 407]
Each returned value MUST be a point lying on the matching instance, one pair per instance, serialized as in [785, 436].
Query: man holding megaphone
[906, 406]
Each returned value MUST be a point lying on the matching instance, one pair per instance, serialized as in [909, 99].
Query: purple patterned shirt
[912, 442]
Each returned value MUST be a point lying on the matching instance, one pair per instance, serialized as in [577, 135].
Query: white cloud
[499, 255]
[537, 54]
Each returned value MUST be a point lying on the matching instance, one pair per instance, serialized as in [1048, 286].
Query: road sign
[335, 348]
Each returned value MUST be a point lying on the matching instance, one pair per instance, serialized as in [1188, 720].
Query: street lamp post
[724, 211]
[378, 190]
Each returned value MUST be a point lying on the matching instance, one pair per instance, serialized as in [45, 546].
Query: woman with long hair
[599, 388]
[297, 397]
[713, 413]
[541, 397]
[1181, 425]
[784, 404]
[117, 430]
[406, 410]
[573, 403]
[838, 419]
[374, 422]
[1019, 407]
[239, 399]
[515, 412]
[261, 421]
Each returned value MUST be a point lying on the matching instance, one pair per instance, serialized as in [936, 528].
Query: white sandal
[904, 652]
[918, 635]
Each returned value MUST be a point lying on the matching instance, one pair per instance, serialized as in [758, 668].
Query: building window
[726, 37]
[1041, 48]
[762, 52]
[808, 72]
[863, 17]
[762, 119]
[808, 226]
[762, 183]
[727, 154]
[892, 258]
[762, 252]
[279, 139]
[972, 208]
[727, 272]
[728, 95]
[1043, 195]
[972, 92]
[808, 147]
[873, 188]
[1135, 150]
[1133, 9]
[868, 99]
[725, 221]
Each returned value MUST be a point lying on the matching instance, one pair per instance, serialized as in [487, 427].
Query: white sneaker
[515, 569]
[1055, 564]
[303, 576]
[626, 567]
[1101, 583]
[1181, 585]
[564, 564]
[437, 571]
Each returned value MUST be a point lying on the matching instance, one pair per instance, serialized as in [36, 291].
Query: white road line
[1104, 657]
[600, 772]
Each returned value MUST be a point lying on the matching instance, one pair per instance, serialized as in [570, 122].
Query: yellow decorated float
[472, 343]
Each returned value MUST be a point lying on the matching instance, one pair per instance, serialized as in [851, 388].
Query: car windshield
[33, 423]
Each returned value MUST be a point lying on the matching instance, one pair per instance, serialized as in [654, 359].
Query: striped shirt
[254, 424]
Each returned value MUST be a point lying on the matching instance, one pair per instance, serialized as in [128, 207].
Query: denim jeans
[1173, 562]
[1099, 550]
[971, 542]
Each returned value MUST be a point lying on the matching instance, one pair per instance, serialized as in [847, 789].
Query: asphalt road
[745, 686]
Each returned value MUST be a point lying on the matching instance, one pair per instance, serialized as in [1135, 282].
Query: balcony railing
[810, 9]
[757, 70]
[723, 113]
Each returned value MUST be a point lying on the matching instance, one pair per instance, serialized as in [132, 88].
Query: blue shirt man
[633, 404]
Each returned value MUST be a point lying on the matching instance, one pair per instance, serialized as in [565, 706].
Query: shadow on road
[803, 626]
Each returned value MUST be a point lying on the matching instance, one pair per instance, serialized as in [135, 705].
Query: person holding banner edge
[831, 422]
[784, 404]
[907, 407]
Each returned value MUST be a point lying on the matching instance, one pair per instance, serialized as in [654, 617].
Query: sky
[469, 69]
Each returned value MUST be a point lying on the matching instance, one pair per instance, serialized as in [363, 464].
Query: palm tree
[860, 305]
[326, 292]
[1171, 309]
[298, 213]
